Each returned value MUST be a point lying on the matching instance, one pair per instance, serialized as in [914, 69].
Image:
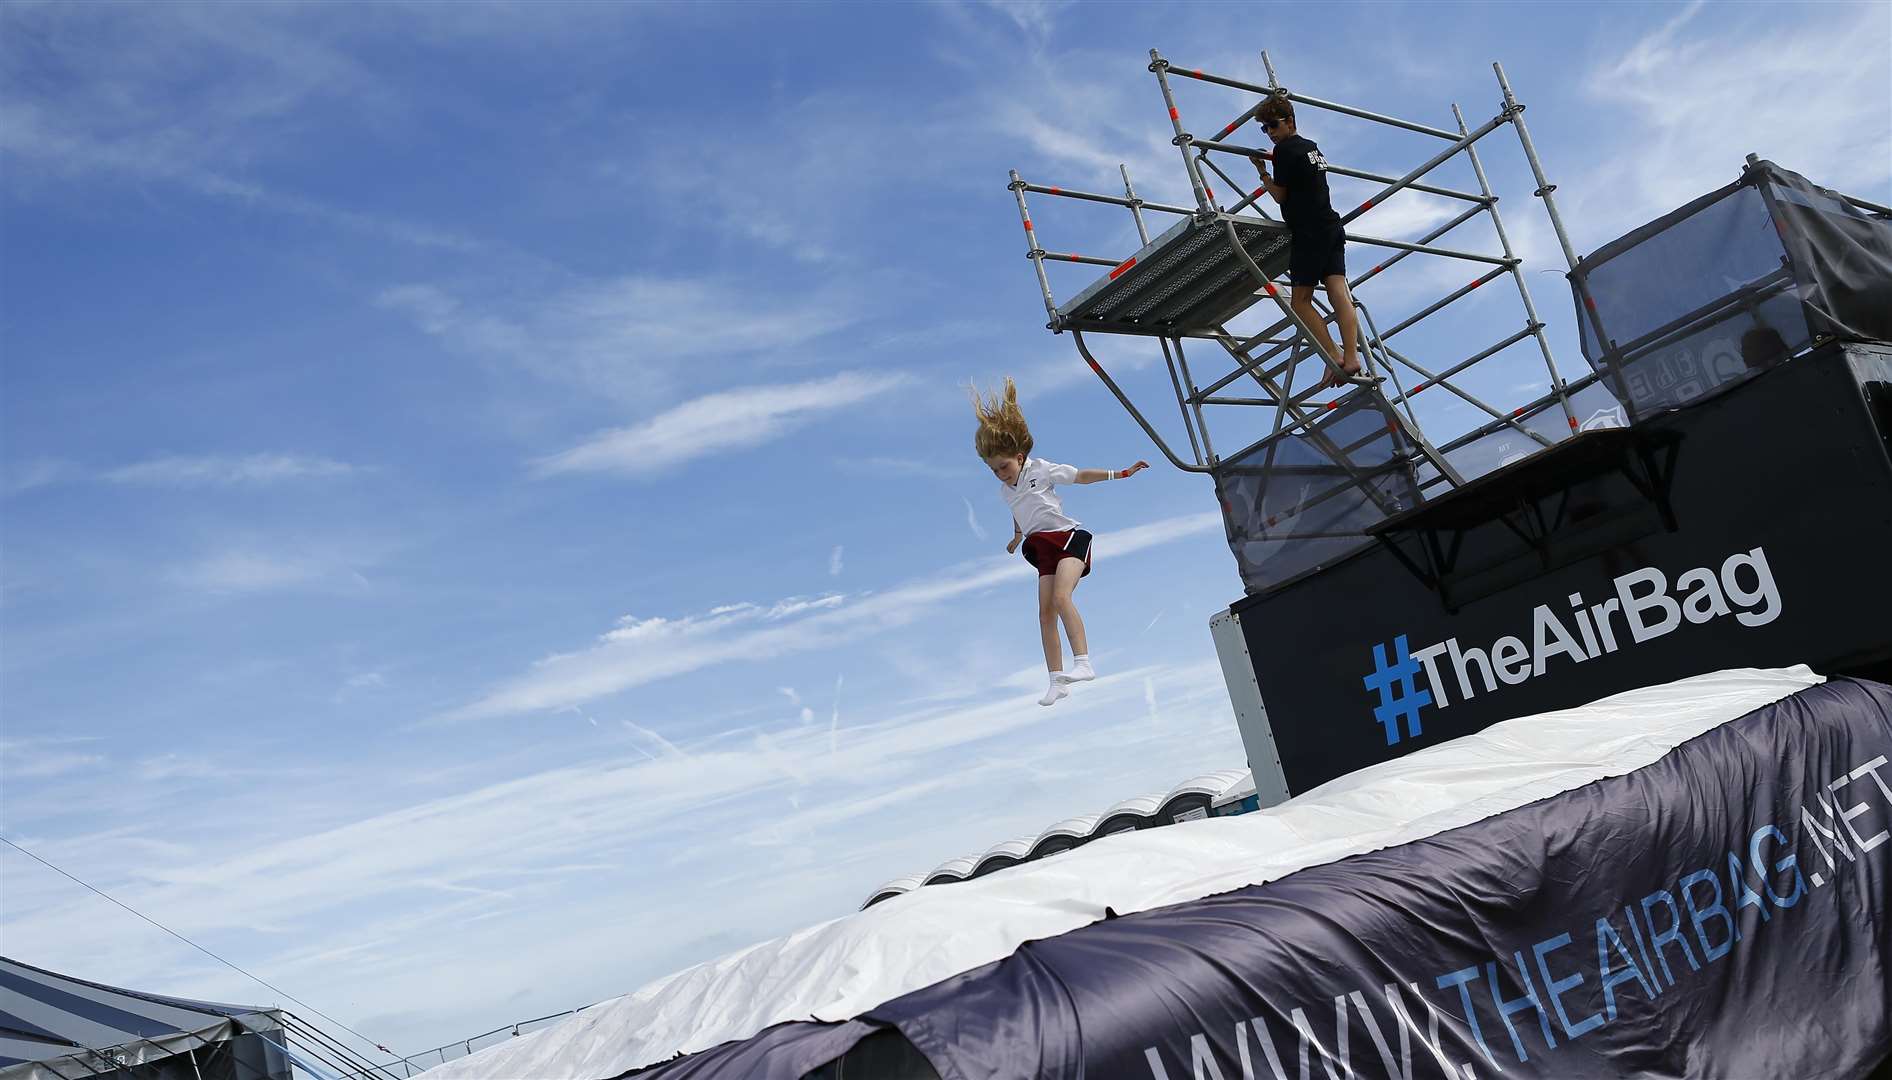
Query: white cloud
[24, 476]
[246, 571]
[834, 561]
[249, 569]
[1407, 216]
[883, 465]
[834, 718]
[613, 845]
[795, 178]
[1034, 17]
[972, 519]
[57, 145]
[1688, 101]
[642, 651]
[37, 758]
[169, 767]
[196, 97]
[724, 421]
[358, 683]
[253, 469]
[629, 337]
[1072, 125]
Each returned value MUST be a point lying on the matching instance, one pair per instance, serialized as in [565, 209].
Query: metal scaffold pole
[1517, 275]
[1220, 272]
[1515, 113]
[1205, 201]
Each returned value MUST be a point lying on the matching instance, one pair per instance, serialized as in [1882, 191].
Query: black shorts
[1315, 253]
[1045, 550]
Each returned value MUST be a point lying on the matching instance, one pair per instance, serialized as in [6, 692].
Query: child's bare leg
[1303, 305]
[1342, 299]
[1064, 584]
[1048, 633]
[1048, 624]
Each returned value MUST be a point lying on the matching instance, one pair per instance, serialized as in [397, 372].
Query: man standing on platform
[1316, 253]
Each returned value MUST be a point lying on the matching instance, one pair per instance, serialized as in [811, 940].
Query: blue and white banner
[1719, 912]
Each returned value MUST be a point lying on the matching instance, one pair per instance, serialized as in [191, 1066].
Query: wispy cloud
[38, 758]
[629, 337]
[1034, 17]
[795, 178]
[132, 98]
[447, 880]
[834, 718]
[972, 519]
[720, 422]
[164, 768]
[883, 465]
[1073, 124]
[358, 683]
[24, 476]
[253, 469]
[641, 651]
[253, 570]
[1692, 97]
[246, 571]
[834, 561]
[1405, 216]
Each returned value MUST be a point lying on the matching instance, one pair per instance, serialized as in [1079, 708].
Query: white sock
[1055, 691]
[1080, 670]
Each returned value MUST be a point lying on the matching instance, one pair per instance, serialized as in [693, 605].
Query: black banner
[1781, 494]
[1719, 913]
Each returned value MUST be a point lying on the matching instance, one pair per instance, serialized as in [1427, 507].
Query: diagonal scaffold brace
[1218, 260]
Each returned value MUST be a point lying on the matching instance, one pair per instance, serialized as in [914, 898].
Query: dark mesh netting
[1301, 500]
[1733, 283]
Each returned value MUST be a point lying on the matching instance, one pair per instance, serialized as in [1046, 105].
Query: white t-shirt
[1034, 499]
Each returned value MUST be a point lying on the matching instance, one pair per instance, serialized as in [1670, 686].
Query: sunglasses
[1269, 125]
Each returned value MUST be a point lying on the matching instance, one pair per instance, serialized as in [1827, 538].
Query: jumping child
[1054, 544]
[1316, 240]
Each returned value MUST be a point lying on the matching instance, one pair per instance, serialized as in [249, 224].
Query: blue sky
[489, 514]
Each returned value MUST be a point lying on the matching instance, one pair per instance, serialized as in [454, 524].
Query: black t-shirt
[1299, 167]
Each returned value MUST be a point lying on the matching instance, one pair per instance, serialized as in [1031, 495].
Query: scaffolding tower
[1332, 463]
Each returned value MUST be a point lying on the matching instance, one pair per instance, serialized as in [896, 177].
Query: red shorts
[1045, 550]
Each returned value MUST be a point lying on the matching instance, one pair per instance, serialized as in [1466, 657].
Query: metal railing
[1269, 357]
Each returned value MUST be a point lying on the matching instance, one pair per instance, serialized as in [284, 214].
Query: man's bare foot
[1351, 366]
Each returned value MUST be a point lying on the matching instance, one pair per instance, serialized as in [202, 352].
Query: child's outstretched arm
[1093, 476]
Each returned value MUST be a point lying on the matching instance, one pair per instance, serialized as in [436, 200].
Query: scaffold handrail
[1217, 261]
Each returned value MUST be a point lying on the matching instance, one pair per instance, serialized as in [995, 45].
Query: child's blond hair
[1002, 429]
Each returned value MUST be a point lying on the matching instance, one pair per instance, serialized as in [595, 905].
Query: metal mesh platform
[1185, 281]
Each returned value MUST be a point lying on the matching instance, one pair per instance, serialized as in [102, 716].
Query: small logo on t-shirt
[1314, 159]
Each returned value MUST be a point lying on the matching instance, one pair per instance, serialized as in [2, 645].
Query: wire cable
[257, 978]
